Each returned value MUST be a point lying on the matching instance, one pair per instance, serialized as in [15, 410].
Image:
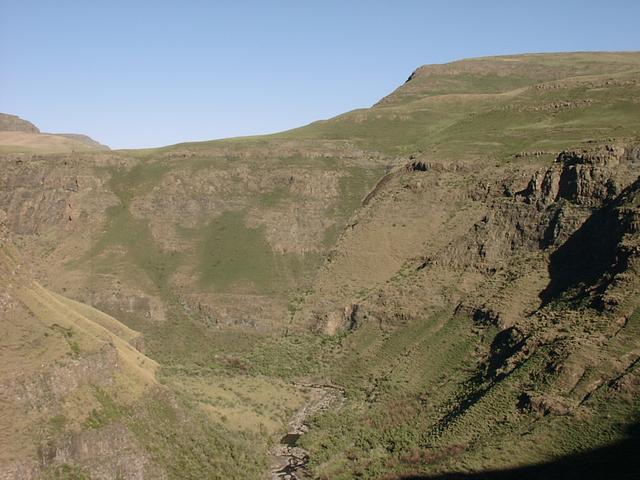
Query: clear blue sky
[145, 73]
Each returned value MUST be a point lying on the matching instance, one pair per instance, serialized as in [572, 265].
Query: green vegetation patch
[235, 257]
[65, 472]
[132, 234]
[188, 445]
[232, 253]
[108, 412]
[292, 356]
[57, 424]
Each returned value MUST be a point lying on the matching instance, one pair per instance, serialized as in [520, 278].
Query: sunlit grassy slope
[496, 106]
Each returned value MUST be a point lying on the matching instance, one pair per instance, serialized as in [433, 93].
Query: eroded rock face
[601, 253]
[588, 178]
[105, 453]
[551, 205]
[543, 405]
[290, 204]
[346, 318]
[556, 201]
[89, 214]
[20, 470]
[59, 194]
[130, 301]
[60, 379]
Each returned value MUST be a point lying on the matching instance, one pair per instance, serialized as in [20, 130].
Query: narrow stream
[290, 461]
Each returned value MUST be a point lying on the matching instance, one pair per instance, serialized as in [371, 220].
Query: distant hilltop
[13, 123]
[21, 136]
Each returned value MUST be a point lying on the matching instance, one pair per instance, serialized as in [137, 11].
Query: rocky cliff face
[522, 214]
[196, 216]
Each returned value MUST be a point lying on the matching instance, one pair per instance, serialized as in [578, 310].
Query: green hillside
[444, 285]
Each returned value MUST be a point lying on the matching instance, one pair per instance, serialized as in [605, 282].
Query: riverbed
[290, 461]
